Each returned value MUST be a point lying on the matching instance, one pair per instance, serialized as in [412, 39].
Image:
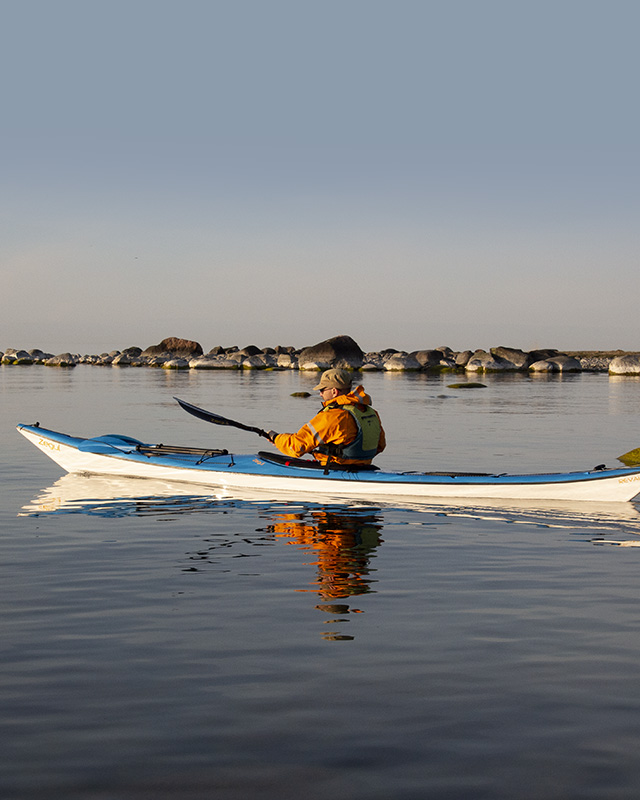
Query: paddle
[209, 416]
[631, 459]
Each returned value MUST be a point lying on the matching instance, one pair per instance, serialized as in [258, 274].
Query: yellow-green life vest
[365, 446]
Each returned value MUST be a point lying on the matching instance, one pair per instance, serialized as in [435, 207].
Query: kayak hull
[126, 457]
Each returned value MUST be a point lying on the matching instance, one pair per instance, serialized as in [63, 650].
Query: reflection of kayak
[119, 496]
[123, 456]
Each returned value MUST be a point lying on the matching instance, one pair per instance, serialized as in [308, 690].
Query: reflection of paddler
[342, 544]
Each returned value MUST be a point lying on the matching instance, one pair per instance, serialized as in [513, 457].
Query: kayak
[123, 456]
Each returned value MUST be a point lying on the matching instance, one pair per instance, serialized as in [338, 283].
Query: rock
[542, 355]
[260, 361]
[176, 363]
[310, 366]
[133, 352]
[177, 348]
[481, 361]
[518, 359]
[22, 358]
[625, 365]
[542, 366]
[123, 360]
[213, 362]
[250, 350]
[39, 356]
[428, 358]
[236, 356]
[373, 361]
[62, 360]
[467, 385]
[565, 363]
[300, 394]
[402, 362]
[17, 357]
[346, 363]
[286, 361]
[340, 352]
[462, 359]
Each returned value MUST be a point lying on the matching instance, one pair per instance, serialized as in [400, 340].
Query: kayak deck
[114, 454]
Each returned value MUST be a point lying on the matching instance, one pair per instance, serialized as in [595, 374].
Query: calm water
[162, 642]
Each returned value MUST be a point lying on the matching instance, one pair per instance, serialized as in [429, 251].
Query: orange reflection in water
[342, 545]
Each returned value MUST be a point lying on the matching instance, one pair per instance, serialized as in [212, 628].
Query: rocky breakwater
[341, 352]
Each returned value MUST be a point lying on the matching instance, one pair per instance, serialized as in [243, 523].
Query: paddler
[347, 430]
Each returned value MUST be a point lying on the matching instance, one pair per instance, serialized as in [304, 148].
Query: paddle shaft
[216, 419]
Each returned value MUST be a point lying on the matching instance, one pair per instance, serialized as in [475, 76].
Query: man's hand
[272, 436]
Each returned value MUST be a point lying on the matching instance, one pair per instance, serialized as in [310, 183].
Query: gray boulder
[566, 363]
[176, 363]
[259, 361]
[62, 360]
[625, 365]
[518, 359]
[542, 366]
[311, 366]
[286, 360]
[39, 356]
[428, 359]
[213, 362]
[340, 352]
[402, 362]
[559, 363]
[462, 359]
[481, 361]
[372, 362]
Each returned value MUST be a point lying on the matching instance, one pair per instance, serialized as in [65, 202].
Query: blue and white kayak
[126, 457]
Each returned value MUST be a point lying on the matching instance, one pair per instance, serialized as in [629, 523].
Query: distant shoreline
[340, 352]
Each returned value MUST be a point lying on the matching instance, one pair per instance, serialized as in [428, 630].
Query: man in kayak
[347, 430]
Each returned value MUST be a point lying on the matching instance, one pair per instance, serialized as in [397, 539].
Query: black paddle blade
[209, 416]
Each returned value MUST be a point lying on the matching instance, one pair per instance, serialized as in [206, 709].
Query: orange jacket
[329, 426]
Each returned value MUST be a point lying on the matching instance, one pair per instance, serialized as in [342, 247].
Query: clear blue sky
[412, 174]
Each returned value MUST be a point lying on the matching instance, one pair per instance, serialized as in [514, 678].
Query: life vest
[365, 446]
